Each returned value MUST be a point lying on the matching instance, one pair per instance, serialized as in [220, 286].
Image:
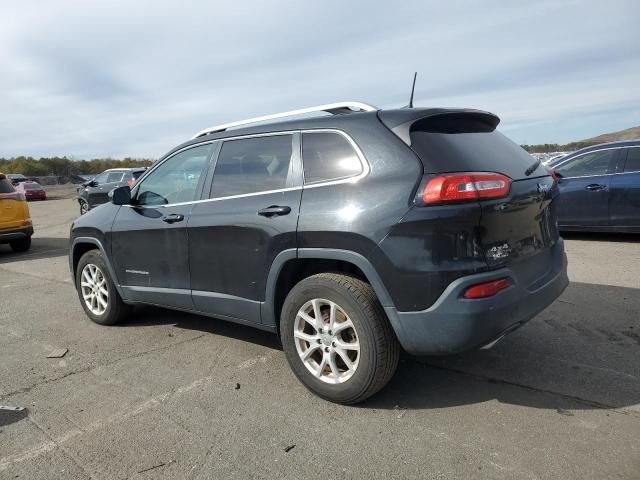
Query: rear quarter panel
[357, 216]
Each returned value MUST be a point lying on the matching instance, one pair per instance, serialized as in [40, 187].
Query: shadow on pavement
[145, 316]
[602, 236]
[580, 353]
[41, 247]
[7, 417]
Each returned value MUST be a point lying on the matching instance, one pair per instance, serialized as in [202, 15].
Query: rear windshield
[472, 152]
[32, 186]
[5, 186]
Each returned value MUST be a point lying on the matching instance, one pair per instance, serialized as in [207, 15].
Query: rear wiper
[532, 168]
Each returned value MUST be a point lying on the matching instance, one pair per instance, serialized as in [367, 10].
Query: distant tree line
[555, 147]
[63, 166]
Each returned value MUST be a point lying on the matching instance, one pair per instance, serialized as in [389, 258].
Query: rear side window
[595, 163]
[5, 186]
[447, 150]
[328, 156]
[633, 160]
[114, 177]
[252, 165]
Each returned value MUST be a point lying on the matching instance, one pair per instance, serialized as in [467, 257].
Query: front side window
[5, 185]
[176, 179]
[633, 160]
[328, 156]
[252, 165]
[114, 177]
[102, 178]
[596, 163]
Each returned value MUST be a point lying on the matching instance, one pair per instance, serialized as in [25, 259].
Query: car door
[584, 188]
[94, 189]
[11, 209]
[250, 217]
[625, 190]
[101, 192]
[149, 237]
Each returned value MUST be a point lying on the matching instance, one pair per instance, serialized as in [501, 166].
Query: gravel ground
[173, 395]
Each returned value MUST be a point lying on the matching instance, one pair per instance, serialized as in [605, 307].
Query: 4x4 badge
[543, 187]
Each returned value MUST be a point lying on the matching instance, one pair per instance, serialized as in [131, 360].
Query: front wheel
[337, 338]
[97, 292]
[21, 245]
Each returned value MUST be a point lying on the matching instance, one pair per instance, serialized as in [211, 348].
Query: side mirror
[121, 195]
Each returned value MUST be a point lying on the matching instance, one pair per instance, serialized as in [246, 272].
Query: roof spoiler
[437, 120]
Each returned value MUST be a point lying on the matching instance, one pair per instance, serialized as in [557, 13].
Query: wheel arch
[291, 266]
[82, 245]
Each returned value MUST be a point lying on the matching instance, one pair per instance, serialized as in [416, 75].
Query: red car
[31, 190]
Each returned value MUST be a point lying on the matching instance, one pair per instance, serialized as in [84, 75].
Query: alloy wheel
[94, 289]
[326, 341]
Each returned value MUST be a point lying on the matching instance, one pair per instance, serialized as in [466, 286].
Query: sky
[135, 78]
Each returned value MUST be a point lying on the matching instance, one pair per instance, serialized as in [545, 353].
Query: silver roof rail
[333, 108]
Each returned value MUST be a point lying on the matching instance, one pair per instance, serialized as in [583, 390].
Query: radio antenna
[413, 88]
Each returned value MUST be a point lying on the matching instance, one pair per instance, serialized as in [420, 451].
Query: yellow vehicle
[15, 222]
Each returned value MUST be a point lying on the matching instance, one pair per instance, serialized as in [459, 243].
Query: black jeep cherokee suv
[350, 234]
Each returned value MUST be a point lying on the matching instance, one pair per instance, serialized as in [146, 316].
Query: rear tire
[21, 245]
[97, 292]
[349, 358]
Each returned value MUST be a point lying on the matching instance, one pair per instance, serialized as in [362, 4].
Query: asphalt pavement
[172, 395]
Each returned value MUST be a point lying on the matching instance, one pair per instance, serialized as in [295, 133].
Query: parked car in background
[95, 191]
[16, 178]
[32, 190]
[350, 234]
[16, 227]
[600, 188]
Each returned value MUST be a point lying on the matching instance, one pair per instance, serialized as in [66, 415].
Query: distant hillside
[628, 134]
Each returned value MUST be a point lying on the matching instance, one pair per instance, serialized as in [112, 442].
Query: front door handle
[274, 211]
[173, 218]
[594, 187]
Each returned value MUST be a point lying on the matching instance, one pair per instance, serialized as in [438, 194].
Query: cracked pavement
[158, 397]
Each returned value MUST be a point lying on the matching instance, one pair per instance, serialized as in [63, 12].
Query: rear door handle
[173, 218]
[274, 211]
[594, 187]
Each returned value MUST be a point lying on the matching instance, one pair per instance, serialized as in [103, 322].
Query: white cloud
[135, 78]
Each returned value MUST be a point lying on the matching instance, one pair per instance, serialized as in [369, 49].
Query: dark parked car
[32, 190]
[600, 188]
[350, 234]
[16, 178]
[95, 191]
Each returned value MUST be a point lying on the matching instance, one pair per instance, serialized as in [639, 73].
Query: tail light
[487, 289]
[460, 187]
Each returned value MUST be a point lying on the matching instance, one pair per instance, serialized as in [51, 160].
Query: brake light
[487, 289]
[458, 187]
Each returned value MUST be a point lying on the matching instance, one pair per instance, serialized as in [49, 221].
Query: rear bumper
[453, 324]
[15, 234]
